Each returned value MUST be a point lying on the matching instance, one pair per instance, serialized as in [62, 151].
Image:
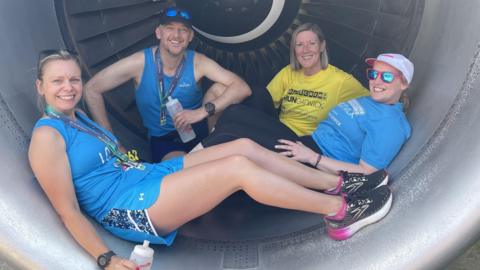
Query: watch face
[210, 108]
[102, 261]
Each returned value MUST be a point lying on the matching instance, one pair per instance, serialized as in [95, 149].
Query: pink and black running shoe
[359, 211]
[352, 183]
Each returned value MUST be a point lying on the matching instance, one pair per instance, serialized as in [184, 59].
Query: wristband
[318, 160]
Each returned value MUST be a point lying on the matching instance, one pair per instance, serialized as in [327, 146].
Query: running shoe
[351, 183]
[359, 211]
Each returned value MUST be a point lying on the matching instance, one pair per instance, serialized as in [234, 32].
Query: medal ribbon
[97, 133]
[161, 85]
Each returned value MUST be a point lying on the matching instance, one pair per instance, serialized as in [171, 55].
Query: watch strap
[107, 256]
[210, 108]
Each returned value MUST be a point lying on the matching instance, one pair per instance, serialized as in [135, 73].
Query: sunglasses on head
[386, 76]
[172, 12]
[46, 54]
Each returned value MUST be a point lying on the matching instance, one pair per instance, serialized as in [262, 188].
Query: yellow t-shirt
[304, 101]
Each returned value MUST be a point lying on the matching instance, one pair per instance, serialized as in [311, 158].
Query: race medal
[122, 160]
[163, 115]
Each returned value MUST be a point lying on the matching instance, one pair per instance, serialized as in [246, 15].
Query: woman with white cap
[363, 134]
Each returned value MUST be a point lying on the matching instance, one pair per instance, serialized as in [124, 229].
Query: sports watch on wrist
[104, 259]
[209, 108]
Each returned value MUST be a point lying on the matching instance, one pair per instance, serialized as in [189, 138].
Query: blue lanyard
[163, 96]
[96, 132]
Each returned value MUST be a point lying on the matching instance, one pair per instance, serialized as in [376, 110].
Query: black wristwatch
[210, 108]
[104, 259]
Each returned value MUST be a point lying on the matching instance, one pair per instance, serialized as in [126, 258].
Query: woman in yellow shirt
[296, 99]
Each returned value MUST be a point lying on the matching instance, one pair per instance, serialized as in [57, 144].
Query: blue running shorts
[128, 217]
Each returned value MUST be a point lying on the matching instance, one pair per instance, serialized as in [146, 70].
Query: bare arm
[300, 152]
[50, 165]
[234, 90]
[334, 166]
[107, 79]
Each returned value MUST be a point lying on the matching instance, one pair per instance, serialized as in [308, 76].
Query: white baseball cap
[397, 61]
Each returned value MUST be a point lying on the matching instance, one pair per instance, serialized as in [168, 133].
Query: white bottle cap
[144, 250]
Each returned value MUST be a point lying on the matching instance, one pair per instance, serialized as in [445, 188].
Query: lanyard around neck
[96, 132]
[163, 95]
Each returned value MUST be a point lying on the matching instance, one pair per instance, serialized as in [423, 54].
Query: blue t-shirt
[363, 129]
[148, 101]
[98, 181]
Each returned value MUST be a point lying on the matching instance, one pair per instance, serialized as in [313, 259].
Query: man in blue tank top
[169, 70]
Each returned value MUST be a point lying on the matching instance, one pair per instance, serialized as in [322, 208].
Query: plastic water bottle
[142, 255]
[173, 107]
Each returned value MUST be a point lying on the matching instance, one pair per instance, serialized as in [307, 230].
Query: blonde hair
[405, 100]
[294, 64]
[47, 56]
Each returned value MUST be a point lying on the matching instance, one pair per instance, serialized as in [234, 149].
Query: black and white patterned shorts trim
[135, 220]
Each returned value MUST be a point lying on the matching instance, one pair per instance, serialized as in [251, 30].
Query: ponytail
[405, 100]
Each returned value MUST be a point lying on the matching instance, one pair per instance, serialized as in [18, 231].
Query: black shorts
[241, 121]
[160, 146]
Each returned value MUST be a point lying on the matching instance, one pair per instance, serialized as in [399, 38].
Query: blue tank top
[148, 101]
[363, 129]
[97, 179]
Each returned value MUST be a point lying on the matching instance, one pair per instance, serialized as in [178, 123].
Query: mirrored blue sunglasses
[386, 76]
[172, 12]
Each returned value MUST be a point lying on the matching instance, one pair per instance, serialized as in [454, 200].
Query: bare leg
[271, 161]
[194, 191]
[173, 154]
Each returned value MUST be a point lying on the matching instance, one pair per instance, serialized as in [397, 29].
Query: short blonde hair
[294, 64]
[46, 56]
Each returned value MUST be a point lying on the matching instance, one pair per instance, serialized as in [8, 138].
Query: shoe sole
[347, 232]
